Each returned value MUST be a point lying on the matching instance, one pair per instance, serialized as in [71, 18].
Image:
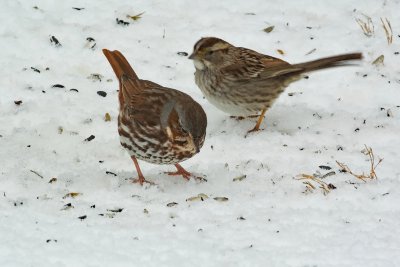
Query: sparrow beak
[192, 56]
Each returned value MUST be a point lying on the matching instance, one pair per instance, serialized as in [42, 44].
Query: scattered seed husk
[57, 86]
[379, 60]
[199, 197]
[324, 167]
[102, 93]
[35, 69]
[53, 180]
[328, 174]
[122, 22]
[135, 17]
[112, 173]
[184, 54]
[68, 206]
[90, 138]
[239, 178]
[280, 51]
[311, 51]
[115, 210]
[221, 199]
[331, 186]
[95, 77]
[171, 204]
[60, 129]
[145, 211]
[72, 195]
[107, 117]
[54, 41]
[269, 29]
[35, 172]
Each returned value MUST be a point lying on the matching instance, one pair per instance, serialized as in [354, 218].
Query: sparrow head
[185, 127]
[210, 52]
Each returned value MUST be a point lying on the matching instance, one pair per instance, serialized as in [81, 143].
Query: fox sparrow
[156, 124]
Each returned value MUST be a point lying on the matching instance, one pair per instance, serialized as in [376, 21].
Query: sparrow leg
[141, 178]
[260, 119]
[180, 171]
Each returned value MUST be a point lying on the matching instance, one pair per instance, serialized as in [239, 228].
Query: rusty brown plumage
[241, 81]
[156, 124]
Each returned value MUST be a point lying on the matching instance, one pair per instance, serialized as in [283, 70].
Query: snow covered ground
[267, 219]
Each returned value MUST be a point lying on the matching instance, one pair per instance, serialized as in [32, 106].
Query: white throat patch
[198, 64]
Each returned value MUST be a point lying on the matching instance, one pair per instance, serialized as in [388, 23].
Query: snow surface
[267, 220]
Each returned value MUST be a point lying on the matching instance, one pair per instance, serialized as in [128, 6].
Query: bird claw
[142, 180]
[255, 129]
[185, 174]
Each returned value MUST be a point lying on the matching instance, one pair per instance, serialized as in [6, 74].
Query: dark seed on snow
[107, 172]
[115, 210]
[35, 69]
[172, 204]
[90, 138]
[82, 217]
[54, 40]
[57, 86]
[331, 186]
[324, 167]
[74, 90]
[241, 218]
[93, 206]
[102, 93]
[90, 39]
[357, 129]
[183, 54]
[78, 8]
[121, 22]
[18, 102]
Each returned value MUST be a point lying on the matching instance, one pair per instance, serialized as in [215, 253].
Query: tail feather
[329, 62]
[129, 82]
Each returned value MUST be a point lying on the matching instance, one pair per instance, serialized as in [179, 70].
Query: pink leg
[180, 171]
[140, 178]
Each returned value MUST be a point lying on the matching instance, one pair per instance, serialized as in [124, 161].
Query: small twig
[372, 173]
[310, 187]
[35, 172]
[367, 26]
[388, 30]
